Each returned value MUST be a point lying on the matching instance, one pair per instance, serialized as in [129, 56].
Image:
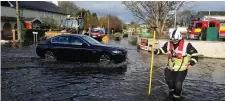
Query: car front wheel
[49, 55]
[104, 59]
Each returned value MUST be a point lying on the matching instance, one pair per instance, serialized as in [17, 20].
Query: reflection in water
[26, 77]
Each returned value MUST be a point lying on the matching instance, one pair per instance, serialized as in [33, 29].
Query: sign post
[35, 37]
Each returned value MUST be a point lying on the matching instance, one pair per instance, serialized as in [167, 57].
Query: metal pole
[209, 8]
[209, 13]
[175, 18]
[18, 21]
[34, 38]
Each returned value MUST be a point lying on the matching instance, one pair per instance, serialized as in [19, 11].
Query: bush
[23, 33]
[49, 23]
[133, 40]
[125, 35]
[117, 36]
[29, 37]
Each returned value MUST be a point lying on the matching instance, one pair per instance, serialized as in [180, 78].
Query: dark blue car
[81, 48]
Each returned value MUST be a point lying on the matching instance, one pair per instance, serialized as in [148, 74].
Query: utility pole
[18, 21]
[108, 23]
[81, 13]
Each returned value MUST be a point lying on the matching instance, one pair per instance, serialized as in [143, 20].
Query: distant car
[82, 48]
[97, 34]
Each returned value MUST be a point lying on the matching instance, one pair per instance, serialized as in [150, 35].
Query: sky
[118, 9]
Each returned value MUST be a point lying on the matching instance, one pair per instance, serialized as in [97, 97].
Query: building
[185, 18]
[218, 15]
[32, 14]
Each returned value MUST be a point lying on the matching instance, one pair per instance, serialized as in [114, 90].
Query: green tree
[94, 20]
[87, 19]
[81, 13]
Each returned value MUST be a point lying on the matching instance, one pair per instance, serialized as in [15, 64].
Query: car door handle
[93, 51]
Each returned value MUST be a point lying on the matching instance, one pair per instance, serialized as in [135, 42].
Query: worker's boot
[179, 98]
[171, 93]
[170, 96]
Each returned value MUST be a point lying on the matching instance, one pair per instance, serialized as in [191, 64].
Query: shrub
[133, 40]
[117, 36]
[125, 35]
[29, 37]
[23, 33]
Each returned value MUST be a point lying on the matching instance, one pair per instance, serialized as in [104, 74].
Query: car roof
[79, 35]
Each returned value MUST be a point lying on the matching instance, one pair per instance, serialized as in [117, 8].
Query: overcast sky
[118, 9]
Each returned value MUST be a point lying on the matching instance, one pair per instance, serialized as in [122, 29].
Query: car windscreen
[222, 24]
[95, 31]
[198, 25]
[91, 40]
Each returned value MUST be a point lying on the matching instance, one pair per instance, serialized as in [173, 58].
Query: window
[198, 25]
[53, 16]
[76, 41]
[64, 39]
[60, 39]
[222, 24]
[21, 12]
[55, 39]
[91, 40]
[211, 24]
[44, 14]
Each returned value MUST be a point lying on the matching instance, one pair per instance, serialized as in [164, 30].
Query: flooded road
[26, 77]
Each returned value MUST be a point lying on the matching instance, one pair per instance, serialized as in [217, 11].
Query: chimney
[55, 2]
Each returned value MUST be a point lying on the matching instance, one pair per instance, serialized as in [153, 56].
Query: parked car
[97, 34]
[82, 48]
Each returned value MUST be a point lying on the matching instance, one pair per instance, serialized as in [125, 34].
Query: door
[79, 49]
[61, 47]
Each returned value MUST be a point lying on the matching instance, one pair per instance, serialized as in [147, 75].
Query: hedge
[28, 37]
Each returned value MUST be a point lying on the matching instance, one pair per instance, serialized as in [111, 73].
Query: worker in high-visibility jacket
[181, 57]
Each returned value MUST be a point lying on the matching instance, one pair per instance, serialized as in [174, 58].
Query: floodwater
[26, 77]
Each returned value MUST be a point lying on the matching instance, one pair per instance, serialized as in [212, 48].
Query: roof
[220, 13]
[32, 19]
[36, 5]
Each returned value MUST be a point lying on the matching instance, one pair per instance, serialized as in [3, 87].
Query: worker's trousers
[175, 80]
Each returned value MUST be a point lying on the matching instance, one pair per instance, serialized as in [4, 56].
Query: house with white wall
[32, 14]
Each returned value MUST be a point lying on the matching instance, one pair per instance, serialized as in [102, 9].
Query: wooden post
[13, 35]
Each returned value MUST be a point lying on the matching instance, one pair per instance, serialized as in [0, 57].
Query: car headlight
[116, 52]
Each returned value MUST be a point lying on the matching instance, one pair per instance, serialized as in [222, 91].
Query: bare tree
[69, 7]
[155, 13]
[185, 16]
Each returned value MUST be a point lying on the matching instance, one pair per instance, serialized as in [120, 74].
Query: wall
[206, 48]
[31, 13]
[40, 14]
[27, 13]
[8, 11]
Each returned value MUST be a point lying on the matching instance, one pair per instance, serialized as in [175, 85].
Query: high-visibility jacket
[177, 57]
[180, 55]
